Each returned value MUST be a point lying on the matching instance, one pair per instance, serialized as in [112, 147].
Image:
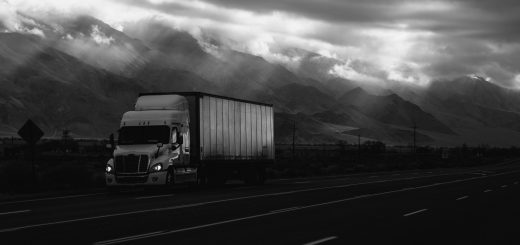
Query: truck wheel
[202, 179]
[215, 180]
[250, 176]
[261, 176]
[254, 176]
[113, 190]
[170, 181]
[215, 177]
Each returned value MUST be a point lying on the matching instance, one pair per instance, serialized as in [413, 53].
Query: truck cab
[153, 145]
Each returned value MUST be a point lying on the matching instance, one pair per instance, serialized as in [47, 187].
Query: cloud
[346, 71]
[100, 37]
[412, 41]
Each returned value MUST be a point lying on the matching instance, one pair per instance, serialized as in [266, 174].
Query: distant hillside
[476, 90]
[81, 74]
[300, 98]
[58, 91]
[392, 109]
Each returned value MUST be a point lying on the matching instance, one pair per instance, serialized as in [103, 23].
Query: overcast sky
[406, 40]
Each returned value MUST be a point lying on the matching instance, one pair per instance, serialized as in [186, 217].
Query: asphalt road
[454, 206]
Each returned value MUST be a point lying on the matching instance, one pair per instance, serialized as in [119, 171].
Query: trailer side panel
[235, 130]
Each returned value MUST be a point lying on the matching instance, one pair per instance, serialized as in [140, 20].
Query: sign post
[31, 133]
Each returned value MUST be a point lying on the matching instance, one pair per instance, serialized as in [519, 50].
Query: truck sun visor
[161, 102]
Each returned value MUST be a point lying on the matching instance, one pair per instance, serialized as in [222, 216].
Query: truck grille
[131, 164]
[132, 179]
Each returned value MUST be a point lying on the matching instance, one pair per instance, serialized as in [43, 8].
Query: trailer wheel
[112, 190]
[261, 176]
[170, 181]
[216, 177]
[202, 179]
[254, 176]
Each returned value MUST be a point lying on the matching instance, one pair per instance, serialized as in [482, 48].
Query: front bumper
[150, 179]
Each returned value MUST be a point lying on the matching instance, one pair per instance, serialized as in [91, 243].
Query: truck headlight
[109, 169]
[157, 167]
[110, 166]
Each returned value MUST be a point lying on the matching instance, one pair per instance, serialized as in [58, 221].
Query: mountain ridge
[174, 60]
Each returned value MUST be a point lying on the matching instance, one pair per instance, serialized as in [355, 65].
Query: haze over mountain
[79, 73]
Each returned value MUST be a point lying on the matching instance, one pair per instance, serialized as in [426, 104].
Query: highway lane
[419, 216]
[289, 211]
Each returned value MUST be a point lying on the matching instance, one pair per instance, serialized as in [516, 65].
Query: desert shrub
[15, 176]
[68, 175]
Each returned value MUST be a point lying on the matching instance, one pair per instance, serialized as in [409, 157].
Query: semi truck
[192, 137]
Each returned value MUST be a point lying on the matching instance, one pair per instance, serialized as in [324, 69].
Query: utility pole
[293, 138]
[359, 147]
[414, 137]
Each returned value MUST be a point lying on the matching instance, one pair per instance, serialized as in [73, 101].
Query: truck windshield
[134, 135]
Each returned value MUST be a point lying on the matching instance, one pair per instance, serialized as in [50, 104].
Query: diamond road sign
[30, 132]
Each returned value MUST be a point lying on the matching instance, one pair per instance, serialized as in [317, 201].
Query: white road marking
[148, 197]
[97, 217]
[504, 186]
[128, 238]
[462, 198]
[52, 198]
[488, 190]
[284, 210]
[16, 212]
[260, 195]
[303, 207]
[321, 240]
[244, 187]
[479, 173]
[302, 182]
[415, 212]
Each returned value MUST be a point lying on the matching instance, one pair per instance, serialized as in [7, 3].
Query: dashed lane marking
[415, 212]
[321, 240]
[462, 198]
[16, 212]
[148, 197]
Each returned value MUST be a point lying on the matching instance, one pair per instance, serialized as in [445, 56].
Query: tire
[254, 176]
[170, 179]
[202, 179]
[261, 176]
[216, 181]
[112, 190]
[216, 177]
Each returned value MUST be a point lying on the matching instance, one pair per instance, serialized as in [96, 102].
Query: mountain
[81, 74]
[300, 98]
[58, 91]
[393, 135]
[91, 41]
[392, 109]
[170, 79]
[476, 90]
[333, 117]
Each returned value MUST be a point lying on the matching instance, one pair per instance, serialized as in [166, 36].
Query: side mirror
[159, 145]
[180, 139]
